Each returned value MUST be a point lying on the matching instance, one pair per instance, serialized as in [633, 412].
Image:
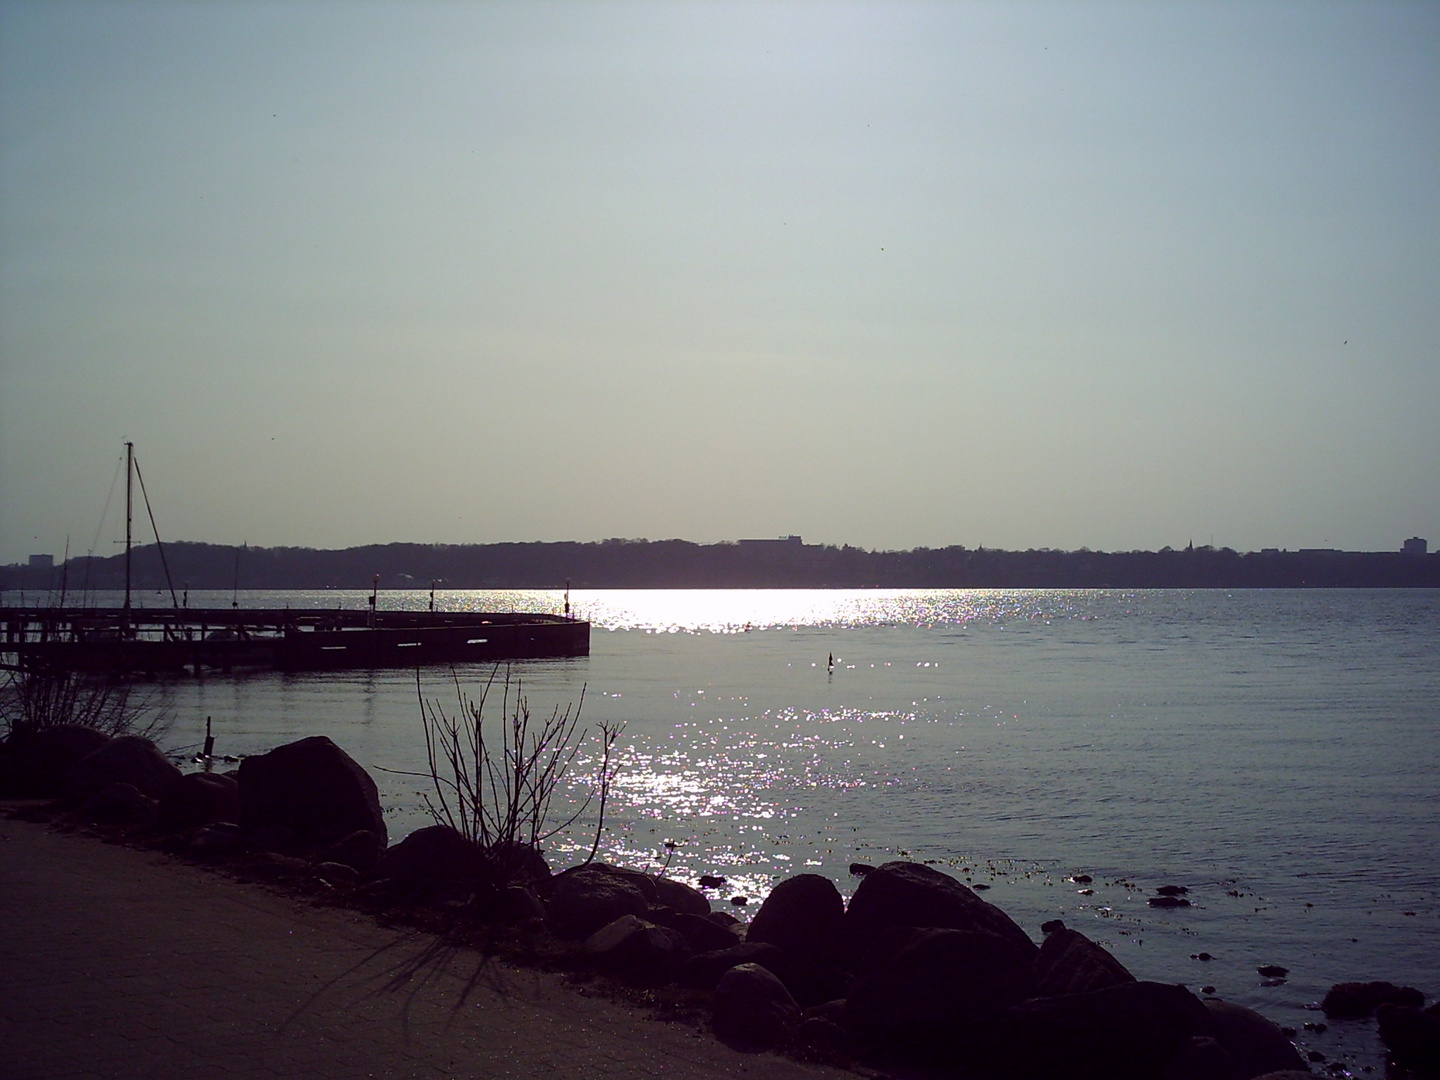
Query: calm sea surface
[1277, 752]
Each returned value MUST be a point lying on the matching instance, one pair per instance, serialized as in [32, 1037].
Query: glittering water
[1274, 751]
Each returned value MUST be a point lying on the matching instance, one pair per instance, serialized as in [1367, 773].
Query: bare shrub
[495, 781]
[31, 701]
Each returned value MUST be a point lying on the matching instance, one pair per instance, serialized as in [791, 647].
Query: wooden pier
[152, 641]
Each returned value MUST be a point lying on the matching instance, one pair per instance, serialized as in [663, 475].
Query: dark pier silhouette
[225, 639]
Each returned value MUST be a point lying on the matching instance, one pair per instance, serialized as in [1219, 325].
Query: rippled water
[1274, 751]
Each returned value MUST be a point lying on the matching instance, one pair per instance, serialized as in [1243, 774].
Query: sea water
[1275, 752]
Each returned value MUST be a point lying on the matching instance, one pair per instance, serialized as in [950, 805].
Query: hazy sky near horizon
[1115, 275]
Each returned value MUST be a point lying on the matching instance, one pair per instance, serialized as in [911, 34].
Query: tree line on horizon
[631, 564]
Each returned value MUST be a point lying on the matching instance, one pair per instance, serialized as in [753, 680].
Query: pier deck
[154, 640]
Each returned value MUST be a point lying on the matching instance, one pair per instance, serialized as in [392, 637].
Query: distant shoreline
[787, 563]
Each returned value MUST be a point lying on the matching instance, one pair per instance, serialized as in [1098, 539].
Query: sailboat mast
[129, 512]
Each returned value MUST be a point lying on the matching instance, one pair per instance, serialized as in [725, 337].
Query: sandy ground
[118, 963]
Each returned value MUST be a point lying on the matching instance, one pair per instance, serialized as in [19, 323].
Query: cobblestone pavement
[119, 963]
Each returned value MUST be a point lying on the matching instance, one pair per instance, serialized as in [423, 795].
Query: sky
[1019, 275]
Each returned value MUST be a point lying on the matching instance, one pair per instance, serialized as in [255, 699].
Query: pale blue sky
[1020, 275]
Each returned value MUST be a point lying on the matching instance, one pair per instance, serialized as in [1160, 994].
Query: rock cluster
[308, 800]
[916, 971]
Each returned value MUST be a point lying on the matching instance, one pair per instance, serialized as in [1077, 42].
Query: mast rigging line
[165, 565]
[132, 464]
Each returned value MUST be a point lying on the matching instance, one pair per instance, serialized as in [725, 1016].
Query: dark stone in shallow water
[1168, 901]
[1357, 1000]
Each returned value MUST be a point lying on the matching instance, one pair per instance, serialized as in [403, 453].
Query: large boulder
[1070, 963]
[35, 762]
[311, 789]
[511, 862]
[642, 881]
[912, 894]
[705, 970]
[222, 840]
[637, 951]
[1125, 1032]
[941, 995]
[360, 851]
[129, 759]
[1412, 1036]
[1256, 1044]
[586, 898]
[802, 916]
[753, 1010]
[119, 804]
[438, 864]
[1202, 1058]
[702, 933]
[199, 799]
[684, 899]
[430, 865]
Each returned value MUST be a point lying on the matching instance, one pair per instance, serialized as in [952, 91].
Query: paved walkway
[118, 963]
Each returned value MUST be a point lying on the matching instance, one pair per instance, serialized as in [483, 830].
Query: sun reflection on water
[725, 611]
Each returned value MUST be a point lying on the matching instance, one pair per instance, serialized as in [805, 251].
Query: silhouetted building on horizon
[1416, 545]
